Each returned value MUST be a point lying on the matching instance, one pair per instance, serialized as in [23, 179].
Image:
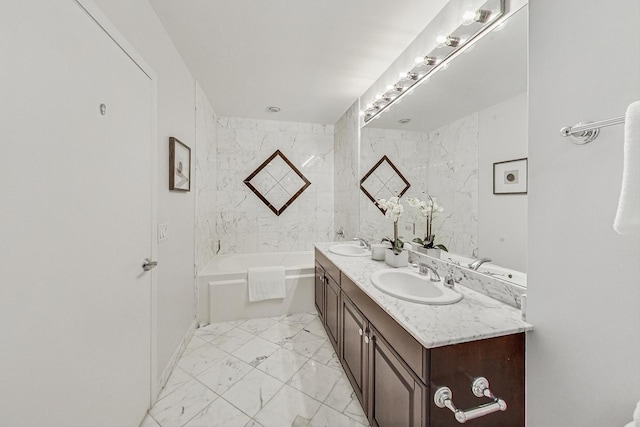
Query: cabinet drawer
[329, 268]
[410, 350]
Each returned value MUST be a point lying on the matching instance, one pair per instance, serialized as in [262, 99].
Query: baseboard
[168, 370]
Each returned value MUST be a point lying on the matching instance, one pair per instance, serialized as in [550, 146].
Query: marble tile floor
[279, 371]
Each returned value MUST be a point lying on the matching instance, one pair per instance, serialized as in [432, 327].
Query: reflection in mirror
[446, 136]
[383, 181]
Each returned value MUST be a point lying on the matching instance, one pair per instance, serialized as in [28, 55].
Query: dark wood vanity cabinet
[327, 292]
[395, 395]
[395, 377]
[390, 392]
[500, 360]
[353, 353]
[331, 308]
[387, 389]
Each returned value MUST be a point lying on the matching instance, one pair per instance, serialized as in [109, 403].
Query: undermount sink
[411, 286]
[349, 249]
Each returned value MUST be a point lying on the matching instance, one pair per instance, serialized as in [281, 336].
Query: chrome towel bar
[584, 132]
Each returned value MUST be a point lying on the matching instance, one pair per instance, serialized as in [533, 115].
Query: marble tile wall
[453, 180]
[243, 223]
[346, 180]
[206, 237]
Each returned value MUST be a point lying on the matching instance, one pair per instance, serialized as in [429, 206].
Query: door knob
[148, 264]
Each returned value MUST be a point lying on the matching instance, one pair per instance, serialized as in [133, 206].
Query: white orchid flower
[413, 202]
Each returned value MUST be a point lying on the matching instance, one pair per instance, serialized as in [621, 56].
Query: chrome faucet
[477, 263]
[426, 269]
[363, 241]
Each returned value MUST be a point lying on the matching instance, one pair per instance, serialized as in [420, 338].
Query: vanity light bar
[473, 24]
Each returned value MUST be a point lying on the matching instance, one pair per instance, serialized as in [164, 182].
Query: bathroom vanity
[398, 354]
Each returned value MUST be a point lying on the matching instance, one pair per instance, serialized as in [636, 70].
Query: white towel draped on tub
[266, 283]
[628, 216]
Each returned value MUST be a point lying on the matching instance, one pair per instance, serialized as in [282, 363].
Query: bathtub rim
[212, 270]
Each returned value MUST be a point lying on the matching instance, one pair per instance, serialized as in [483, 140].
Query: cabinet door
[331, 313]
[319, 289]
[353, 354]
[396, 397]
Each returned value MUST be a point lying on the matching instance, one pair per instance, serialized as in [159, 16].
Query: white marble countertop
[475, 317]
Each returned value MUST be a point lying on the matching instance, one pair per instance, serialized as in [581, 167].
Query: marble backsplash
[497, 289]
[231, 218]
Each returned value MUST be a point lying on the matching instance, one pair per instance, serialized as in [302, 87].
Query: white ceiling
[311, 58]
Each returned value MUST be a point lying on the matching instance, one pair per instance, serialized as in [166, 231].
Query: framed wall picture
[510, 177]
[179, 166]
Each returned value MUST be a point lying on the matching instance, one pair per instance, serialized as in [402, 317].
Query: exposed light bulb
[427, 60]
[482, 16]
[430, 60]
[419, 60]
[368, 106]
[378, 96]
[390, 87]
[441, 39]
[452, 41]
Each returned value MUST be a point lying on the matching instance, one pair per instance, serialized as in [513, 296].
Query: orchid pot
[396, 259]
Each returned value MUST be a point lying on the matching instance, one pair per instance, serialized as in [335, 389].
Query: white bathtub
[223, 294]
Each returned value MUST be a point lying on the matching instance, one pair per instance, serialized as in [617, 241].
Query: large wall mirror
[445, 138]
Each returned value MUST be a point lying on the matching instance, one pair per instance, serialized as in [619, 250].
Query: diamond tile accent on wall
[277, 182]
[383, 181]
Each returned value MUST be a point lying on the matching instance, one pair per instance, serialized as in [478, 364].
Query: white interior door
[75, 221]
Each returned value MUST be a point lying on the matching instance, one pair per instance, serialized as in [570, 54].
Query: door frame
[90, 8]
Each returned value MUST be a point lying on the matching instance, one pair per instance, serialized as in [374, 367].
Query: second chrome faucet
[478, 262]
[426, 269]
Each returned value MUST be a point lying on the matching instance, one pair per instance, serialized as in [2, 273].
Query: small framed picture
[179, 166]
[510, 177]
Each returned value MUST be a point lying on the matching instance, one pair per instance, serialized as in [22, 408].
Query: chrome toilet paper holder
[443, 398]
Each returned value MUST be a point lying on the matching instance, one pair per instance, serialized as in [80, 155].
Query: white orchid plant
[427, 209]
[393, 209]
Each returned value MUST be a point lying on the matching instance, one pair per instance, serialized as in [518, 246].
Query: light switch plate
[163, 232]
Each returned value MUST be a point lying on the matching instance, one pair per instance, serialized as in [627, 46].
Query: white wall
[137, 21]
[502, 219]
[583, 358]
